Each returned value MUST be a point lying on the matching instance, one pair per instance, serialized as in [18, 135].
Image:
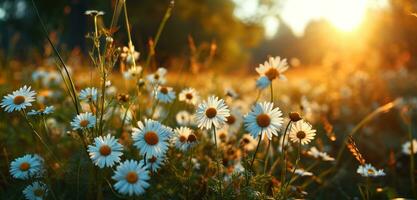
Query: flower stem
[256, 151]
[220, 181]
[266, 156]
[272, 92]
[283, 157]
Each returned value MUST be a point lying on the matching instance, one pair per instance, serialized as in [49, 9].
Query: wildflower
[314, 152]
[83, 121]
[158, 77]
[264, 119]
[302, 172]
[89, 94]
[295, 116]
[93, 13]
[302, 132]
[132, 73]
[52, 78]
[262, 82]
[406, 147]
[106, 151]
[189, 96]
[46, 111]
[26, 167]
[36, 191]
[153, 163]
[247, 142]
[151, 138]
[18, 100]
[368, 170]
[165, 94]
[234, 120]
[183, 118]
[184, 138]
[132, 179]
[212, 113]
[273, 68]
[39, 75]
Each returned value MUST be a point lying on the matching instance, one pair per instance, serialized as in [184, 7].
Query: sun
[345, 15]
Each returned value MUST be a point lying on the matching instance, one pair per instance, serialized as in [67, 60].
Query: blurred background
[242, 32]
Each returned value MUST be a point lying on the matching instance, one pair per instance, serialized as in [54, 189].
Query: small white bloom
[212, 113]
[164, 94]
[302, 172]
[89, 95]
[151, 138]
[158, 77]
[314, 152]
[133, 73]
[131, 178]
[273, 68]
[18, 100]
[301, 131]
[36, 191]
[264, 120]
[368, 170]
[48, 110]
[406, 147]
[153, 163]
[184, 138]
[189, 96]
[26, 167]
[106, 151]
[183, 118]
[83, 121]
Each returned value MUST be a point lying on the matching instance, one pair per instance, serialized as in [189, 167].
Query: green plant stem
[272, 92]
[219, 177]
[283, 156]
[266, 155]
[412, 167]
[293, 171]
[256, 151]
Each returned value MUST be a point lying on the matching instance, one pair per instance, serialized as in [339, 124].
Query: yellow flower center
[84, 123]
[301, 135]
[151, 138]
[38, 192]
[24, 166]
[211, 112]
[132, 177]
[189, 96]
[183, 139]
[19, 100]
[230, 120]
[105, 150]
[272, 73]
[192, 138]
[263, 120]
[164, 90]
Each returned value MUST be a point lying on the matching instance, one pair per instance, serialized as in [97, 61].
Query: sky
[345, 15]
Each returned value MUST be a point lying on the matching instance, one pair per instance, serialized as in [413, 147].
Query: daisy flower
[264, 120]
[406, 147]
[158, 77]
[132, 73]
[184, 138]
[189, 96]
[247, 142]
[18, 100]
[183, 118]
[153, 163]
[106, 151]
[301, 131]
[83, 121]
[46, 111]
[262, 82]
[26, 167]
[273, 68]
[302, 172]
[89, 94]
[93, 12]
[131, 179]
[165, 94]
[368, 170]
[234, 120]
[151, 138]
[212, 113]
[36, 191]
[314, 152]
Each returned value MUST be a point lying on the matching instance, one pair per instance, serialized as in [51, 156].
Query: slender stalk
[272, 92]
[190, 171]
[256, 151]
[266, 156]
[220, 181]
[412, 167]
[103, 94]
[367, 188]
[293, 170]
[129, 37]
[283, 156]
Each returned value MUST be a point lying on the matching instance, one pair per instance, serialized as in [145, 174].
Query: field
[119, 125]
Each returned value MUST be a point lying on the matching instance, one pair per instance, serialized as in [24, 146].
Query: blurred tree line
[201, 30]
